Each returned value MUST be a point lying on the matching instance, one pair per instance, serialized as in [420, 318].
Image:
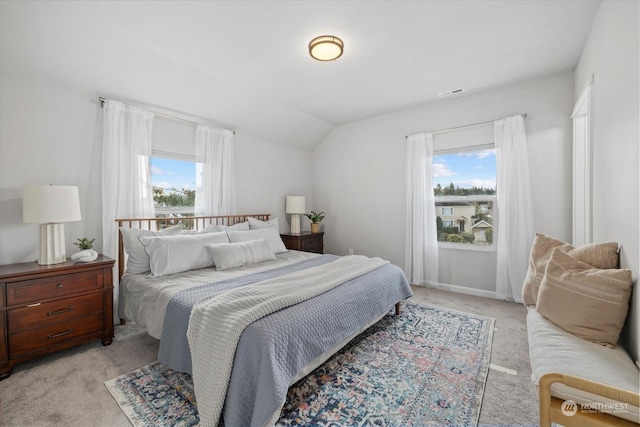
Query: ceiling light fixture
[326, 48]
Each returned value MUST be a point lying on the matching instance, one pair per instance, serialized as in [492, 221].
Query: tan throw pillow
[588, 302]
[538, 257]
[599, 255]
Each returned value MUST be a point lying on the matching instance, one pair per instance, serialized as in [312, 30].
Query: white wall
[266, 173]
[611, 55]
[53, 135]
[47, 136]
[359, 173]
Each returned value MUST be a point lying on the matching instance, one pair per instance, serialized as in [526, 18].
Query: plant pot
[315, 227]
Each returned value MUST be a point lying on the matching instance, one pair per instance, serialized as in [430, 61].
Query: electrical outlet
[350, 251]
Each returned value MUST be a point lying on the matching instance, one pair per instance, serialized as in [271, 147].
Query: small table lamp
[295, 206]
[49, 206]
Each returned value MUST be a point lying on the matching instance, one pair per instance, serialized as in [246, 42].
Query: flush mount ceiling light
[326, 48]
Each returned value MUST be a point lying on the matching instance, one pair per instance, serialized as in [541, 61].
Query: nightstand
[47, 308]
[304, 241]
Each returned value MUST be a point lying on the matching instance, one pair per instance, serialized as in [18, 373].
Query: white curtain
[515, 210]
[215, 176]
[421, 251]
[126, 178]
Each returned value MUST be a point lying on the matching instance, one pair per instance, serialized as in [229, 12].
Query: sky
[170, 174]
[463, 169]
[467, 169]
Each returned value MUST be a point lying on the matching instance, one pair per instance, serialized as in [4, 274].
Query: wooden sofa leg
[397, 309]
[544, 392]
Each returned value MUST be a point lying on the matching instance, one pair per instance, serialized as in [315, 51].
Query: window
[464, 188]
[173, 167]
[174, 186]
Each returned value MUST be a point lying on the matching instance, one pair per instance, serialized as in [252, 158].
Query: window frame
[442, 208]
[467, 199]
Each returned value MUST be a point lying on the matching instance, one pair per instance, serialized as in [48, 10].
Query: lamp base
[295, 224]
[52, 245]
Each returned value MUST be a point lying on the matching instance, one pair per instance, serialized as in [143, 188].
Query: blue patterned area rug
[427, 366]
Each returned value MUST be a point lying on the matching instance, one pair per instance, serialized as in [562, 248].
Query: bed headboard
[188, 223]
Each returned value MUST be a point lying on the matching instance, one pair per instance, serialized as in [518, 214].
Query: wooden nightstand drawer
[50, 335]
[53, 312]
[28, 291]
[311, 244]
[304, 241]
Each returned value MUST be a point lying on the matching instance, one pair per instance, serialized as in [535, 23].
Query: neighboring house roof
[482, 224]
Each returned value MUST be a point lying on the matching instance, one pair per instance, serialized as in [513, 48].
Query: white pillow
[137, 258]
[184, 252]
[238, 226]
[255, 223]
[211, 228]
[234, 255]
[269, 234]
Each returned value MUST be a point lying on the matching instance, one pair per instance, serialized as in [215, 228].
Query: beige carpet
[67, 388]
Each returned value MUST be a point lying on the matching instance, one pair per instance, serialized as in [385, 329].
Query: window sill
[467, 247]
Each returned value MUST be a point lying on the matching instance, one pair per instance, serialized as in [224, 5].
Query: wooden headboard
[188, 223]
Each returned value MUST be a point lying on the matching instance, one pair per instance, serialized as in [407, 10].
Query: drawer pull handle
[34, 305]
[70, 331]
[64, 310]
[60, 286]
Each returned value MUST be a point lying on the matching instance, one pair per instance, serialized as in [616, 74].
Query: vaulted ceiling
[245, 65]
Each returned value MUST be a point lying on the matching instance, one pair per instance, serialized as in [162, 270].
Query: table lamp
[295, 206]
[50, 206]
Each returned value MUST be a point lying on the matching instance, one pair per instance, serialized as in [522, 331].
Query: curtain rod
[180, 119]
[465, 126]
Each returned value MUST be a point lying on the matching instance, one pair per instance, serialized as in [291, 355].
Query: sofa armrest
[551, 407]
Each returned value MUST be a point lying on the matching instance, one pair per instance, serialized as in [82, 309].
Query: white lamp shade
[295, 205]
[50, 204]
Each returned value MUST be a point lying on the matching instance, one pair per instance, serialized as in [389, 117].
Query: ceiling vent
[451, 92]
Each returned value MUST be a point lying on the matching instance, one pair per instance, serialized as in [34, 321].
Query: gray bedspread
[174, 346]
[274, 349]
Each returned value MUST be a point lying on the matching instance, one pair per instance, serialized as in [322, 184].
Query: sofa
[577, 301]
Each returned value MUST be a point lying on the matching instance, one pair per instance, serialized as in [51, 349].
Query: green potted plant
[84, 243]
[315, 219]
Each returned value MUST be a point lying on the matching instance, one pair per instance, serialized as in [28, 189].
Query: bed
[255, 323]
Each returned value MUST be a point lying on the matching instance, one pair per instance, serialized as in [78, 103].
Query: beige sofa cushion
[599, 255]
[553, 350]
[588, 302]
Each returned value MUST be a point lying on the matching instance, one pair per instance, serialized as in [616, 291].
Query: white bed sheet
[144, 299]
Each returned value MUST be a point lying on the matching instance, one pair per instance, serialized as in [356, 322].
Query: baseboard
[461, 289]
